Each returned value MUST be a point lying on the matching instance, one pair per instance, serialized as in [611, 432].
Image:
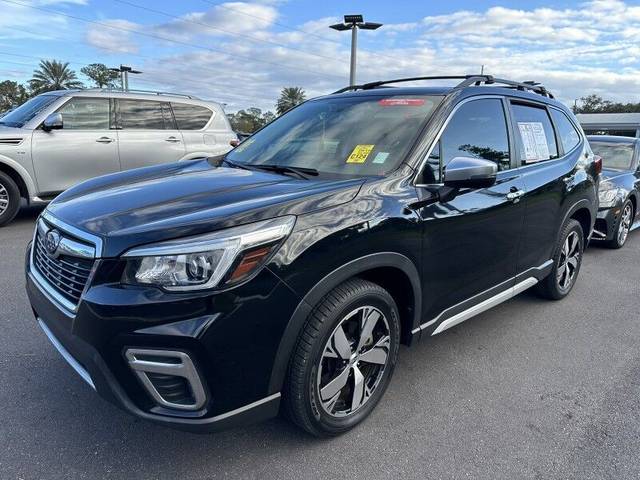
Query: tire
[557, 285]
[621, 233]
[9, 199]
[313, 396]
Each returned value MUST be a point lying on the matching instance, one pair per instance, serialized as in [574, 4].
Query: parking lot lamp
[353, 23]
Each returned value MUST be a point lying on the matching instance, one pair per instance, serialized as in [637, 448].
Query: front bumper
[606, 222]
[234, 349]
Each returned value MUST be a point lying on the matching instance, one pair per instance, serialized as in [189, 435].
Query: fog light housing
[170, 378]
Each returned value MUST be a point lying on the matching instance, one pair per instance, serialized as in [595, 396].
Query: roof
[133, 94]
[609, 118]
[611, 139]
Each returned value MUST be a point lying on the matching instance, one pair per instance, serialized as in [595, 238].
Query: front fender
[324, 286]
[22, 172]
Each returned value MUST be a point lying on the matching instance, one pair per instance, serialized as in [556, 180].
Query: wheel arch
[19, 175]
[392, 271]
[582, 212]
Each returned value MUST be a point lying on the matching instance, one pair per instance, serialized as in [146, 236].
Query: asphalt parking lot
[530, 389]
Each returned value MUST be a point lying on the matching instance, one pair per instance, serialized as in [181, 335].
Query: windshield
[25, 112]
[354, 136]
[618, 155]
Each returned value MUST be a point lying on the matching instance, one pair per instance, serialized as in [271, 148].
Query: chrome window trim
[80, 370]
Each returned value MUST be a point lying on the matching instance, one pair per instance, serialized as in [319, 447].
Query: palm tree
[53, 75]
[289, 98]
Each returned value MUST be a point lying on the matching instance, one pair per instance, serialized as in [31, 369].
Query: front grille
[66, 274]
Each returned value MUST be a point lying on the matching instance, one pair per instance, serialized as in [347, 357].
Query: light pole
[124, 72]
[353, 23]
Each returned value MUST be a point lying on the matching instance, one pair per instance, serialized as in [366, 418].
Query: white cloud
[591, 48]
[113, 36]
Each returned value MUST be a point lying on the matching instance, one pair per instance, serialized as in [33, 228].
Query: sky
[243, 53]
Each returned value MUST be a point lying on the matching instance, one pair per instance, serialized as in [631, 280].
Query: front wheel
[621, 232]
[9, 199]
[566, 262]
[344, 358]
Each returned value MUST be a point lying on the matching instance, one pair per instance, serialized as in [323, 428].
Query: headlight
[608, 195]
[207, 261]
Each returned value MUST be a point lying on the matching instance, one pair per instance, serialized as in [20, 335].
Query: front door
[84, 148]
[471, 241]
[147, 134]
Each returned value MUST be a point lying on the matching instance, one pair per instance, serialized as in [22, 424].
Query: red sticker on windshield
[403, 102]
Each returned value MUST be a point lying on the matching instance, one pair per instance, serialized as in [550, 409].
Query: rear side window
[85, 114]
[141, 115]
[478, 129]
[534, 134]
[191, 117]
[569, 136]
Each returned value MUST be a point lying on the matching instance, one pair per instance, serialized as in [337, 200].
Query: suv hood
[188, 198]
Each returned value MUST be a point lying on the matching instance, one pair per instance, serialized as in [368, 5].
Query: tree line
[53, 75]
[596, 104]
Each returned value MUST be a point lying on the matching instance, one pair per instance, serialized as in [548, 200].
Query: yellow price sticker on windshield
[360, 154]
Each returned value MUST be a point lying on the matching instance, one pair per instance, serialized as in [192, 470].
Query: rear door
[147, 133]
[84, 148]
[547, 159]
[471, 242]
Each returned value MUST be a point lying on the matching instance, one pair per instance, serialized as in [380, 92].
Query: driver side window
[478, 129]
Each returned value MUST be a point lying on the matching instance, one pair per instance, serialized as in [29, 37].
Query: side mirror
[465, 172]
[53, 122]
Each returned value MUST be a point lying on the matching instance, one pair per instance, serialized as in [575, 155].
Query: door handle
[515, 195]
[172, 140]
[105, 140]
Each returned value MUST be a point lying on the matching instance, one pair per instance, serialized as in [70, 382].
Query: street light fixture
[124, 72]
[353, 23]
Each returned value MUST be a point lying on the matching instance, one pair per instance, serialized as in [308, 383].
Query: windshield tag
[360, 153]
[401, 102]
[381, 157]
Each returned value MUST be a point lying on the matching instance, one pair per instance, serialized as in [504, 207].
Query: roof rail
[467, 81]
[149, 92]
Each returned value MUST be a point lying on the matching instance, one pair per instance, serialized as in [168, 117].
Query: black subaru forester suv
[285, 274]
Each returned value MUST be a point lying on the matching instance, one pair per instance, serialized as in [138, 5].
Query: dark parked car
[286, 273]
[619, 188]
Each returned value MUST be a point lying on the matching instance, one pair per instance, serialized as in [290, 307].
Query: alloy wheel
[569, 261]
[353, 361]
[625, 224]
[4, 199]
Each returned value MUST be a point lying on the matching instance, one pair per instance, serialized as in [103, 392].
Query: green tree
[12, 94]
[289, 98]
[596, 104]
[250, 120]
[100, 75]
[53, 75]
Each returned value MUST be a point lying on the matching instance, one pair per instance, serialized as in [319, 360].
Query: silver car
[58, 139]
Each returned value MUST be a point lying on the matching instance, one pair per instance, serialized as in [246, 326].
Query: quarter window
[569, 136]
[534, 134]
[85, 114]
[191, 117]
[141, 115]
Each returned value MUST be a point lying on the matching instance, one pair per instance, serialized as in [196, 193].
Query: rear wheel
[566, 262]
[9, 199]
[621, 232]
[344, 359]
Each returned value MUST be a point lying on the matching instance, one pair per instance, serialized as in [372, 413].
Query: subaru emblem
[51, 241]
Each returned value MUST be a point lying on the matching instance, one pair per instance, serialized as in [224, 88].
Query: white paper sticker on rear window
[534, 141]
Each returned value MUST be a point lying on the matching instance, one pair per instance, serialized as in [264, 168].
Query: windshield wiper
[302, 172]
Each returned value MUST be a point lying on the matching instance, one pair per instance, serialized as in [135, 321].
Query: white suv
[58, 139]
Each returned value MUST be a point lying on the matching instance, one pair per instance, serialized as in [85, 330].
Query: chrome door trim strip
[486, 305]
[80, 370]
[443, 313]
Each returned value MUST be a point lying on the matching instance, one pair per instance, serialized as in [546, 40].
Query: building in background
[621, 124]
